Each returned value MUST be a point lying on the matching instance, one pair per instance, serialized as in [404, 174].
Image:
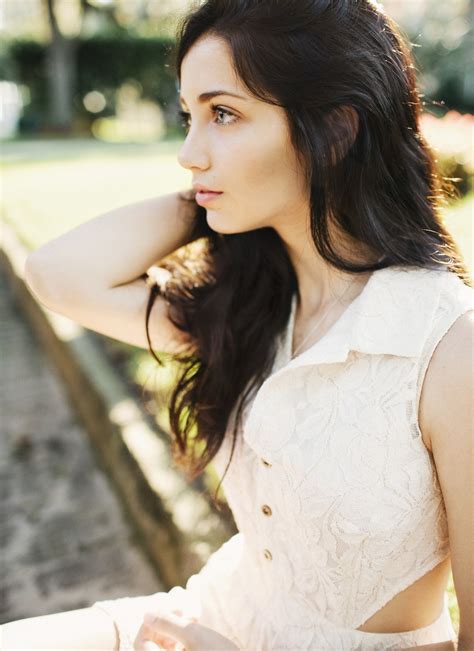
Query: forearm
[87, 629]
[114, 248]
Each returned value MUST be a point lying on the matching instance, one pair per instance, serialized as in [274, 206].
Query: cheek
[264, 163]
[261, 182]
[272, 182]
[252, 159]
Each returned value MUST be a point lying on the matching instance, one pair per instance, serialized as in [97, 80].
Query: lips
[202, 188]
[204, 197]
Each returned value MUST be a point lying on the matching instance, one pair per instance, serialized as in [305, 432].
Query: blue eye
[185, 117]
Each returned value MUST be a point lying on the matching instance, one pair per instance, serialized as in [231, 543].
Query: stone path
[64, 539]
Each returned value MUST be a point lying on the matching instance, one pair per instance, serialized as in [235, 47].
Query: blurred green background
[85, 128]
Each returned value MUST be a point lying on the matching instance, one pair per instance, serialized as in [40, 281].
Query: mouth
[206, 196]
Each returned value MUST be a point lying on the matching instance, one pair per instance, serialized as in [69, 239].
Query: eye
[219, 110]
[185, 117]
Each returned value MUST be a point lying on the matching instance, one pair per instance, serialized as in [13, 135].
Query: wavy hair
[323, 61]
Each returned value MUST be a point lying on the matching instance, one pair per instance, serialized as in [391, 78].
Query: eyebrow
[204, 97]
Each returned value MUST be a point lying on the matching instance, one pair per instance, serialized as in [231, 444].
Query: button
[266, 509]
[265, 463]
[267, 554]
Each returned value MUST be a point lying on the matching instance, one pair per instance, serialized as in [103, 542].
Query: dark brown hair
[321, 60]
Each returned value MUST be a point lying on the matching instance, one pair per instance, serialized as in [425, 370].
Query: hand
[172, 632]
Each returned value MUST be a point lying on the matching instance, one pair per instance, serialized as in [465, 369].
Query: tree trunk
[61, 74]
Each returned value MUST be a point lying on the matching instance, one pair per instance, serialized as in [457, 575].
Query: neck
[319, 283]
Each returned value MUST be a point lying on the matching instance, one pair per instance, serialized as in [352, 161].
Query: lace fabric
[334, 493]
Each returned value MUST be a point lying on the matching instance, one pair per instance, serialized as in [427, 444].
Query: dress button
[267, 554]
[266, 509]
[266, 463]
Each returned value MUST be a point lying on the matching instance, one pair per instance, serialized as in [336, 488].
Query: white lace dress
[334, 493]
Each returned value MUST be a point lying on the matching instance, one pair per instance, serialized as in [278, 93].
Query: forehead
[207, 66]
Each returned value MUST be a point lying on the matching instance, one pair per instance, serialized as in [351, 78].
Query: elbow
[30, 271]
[35, 277]
[30, 265]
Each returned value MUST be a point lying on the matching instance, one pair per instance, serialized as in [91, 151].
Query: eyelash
[184, 116]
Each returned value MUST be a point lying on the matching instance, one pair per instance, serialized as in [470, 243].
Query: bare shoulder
[448, 383]
[450, 419]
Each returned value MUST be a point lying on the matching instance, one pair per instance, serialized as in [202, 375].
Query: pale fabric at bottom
[314, 634]
[331, 446]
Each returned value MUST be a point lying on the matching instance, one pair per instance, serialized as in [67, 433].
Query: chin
[221, 225]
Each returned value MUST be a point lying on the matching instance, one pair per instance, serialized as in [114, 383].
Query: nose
[192, 154]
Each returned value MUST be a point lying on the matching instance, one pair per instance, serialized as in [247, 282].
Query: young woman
[326, 333]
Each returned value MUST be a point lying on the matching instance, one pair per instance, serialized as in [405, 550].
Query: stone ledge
[173, 518]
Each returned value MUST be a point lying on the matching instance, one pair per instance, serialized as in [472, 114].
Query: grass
[49, 187]
[459, 221]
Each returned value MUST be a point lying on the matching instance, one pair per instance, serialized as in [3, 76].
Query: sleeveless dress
[335, 496]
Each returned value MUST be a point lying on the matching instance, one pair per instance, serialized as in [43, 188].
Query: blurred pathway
[64, 541]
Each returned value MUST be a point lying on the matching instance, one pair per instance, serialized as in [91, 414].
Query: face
[239, 146]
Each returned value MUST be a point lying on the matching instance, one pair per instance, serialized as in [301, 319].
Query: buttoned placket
[286, 367]
[265, 509]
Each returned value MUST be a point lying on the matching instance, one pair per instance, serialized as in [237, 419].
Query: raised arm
[91, 274]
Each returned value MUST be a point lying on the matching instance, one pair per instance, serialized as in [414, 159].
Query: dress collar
[392, 315]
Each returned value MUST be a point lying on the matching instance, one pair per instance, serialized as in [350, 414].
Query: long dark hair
[379, 185]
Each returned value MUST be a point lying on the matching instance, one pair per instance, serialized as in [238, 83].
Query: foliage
[441, 36]
[104, 63]
[451, 138]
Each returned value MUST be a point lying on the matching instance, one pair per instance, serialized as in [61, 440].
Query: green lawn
[459, 221]
[49, 187]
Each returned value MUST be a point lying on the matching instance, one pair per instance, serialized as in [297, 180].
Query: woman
[327, 332]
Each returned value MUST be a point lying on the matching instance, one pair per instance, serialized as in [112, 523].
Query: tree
[61, 63]
[60, 73]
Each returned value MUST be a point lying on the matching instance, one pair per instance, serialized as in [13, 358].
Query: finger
[180, 613]
[166, 626]
[146, 641]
